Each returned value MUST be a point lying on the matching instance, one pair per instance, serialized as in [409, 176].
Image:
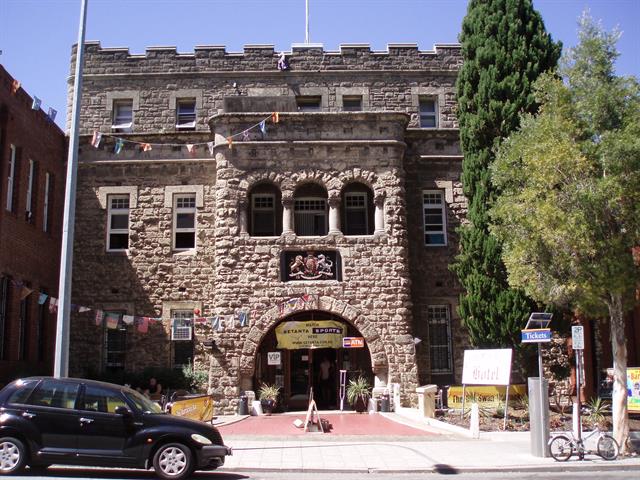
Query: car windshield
[142, 403]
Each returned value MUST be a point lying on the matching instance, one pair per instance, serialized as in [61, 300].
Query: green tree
[569, 212]
[505, 48]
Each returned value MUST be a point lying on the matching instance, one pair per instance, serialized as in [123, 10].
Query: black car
[73, 421]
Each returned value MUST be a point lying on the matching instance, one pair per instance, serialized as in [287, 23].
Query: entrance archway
[302, 368]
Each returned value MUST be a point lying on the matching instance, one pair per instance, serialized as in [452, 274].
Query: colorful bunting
[112, 320]
[275, 116]
[97, 138]
[51, 113]
[53, 305]
[142, 323]
[15, 86]
[191, 148]
[245, 136]
[25, 292]
[230, 142]
[243, 318]
[146, 147]
[42, 298]
[127, 319]
[263, 127]
[83, 309]
[118, 147]
[36, 103]
[210, 145]
[99, 317]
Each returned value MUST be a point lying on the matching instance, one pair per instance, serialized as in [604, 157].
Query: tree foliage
[569, 212]
[505, 48]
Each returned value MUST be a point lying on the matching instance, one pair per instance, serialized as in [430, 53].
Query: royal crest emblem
[311, 267]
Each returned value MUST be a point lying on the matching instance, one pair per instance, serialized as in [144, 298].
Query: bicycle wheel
[561, 448]
[608, 447]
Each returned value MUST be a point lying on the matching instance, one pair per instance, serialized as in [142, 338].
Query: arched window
[265, 211]
[357, 210]
[310, 210]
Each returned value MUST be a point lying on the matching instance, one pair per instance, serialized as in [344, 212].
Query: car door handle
[28, 415]
[84, 420]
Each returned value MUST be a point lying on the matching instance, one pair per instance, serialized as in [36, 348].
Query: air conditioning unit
[181, 330]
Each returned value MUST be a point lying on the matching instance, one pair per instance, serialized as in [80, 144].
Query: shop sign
[633, 389]
[487, 367]
[274, 358]
[310, 334]
[485, 396]
[353, 342]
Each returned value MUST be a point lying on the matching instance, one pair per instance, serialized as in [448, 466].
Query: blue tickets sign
[538, 335]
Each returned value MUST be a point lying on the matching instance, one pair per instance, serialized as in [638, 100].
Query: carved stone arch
[259, 330]
[263, 176]
[356, 175]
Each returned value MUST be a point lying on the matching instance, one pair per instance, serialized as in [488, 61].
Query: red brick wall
[27, 253]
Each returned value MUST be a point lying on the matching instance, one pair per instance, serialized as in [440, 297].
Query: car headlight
[196, 437]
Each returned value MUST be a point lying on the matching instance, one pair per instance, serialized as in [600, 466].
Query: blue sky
[36, 35]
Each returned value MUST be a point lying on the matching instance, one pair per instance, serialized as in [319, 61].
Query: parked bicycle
[561, 447]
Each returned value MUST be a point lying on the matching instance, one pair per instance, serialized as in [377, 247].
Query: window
[309, 103]
[355, 213]
[122, 116]
[54, 393]
[23, 330]
[41, 329]
[22, 391]
[4, 305]
[263, 218]
[97, 399]
[428, 113]
[433, 213]
[115, 344]
[30, 181]
[11, 179]
[182, 325]
[184, 222]
[47, 202]
[440, 338]
[186, 114]
[310, 216]
[352, 103]
[118, 223]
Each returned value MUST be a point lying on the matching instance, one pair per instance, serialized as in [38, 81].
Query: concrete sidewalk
[446, 452]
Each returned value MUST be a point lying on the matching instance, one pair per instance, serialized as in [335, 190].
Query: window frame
[443, 216]
[428, 115]
[433, 319]
[186, 125]
[364, 209]
[255, 209]
[29, 212]
[46, 202]
[307, 103]
[118, 211]
[183, 314]
[119, 122]
[11, 178]
[178, 210]
[352, 98]
[122, 333]
[325, 214]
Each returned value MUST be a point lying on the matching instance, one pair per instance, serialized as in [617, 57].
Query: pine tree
[505, 48]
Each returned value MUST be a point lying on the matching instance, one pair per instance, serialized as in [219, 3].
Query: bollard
[243, 405]
[475, 421]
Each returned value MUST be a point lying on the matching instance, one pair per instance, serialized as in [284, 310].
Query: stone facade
[389, 278]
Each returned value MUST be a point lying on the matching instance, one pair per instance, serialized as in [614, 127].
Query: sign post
[577, 340]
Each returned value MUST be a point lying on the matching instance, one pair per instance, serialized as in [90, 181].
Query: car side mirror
[124, 411]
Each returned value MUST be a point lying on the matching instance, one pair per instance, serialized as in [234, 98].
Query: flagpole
[61, 360]
[306, 37]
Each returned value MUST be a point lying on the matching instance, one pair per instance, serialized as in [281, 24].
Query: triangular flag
[245, 135]
[42, 298]
[97, 138]
[118, 147]
[83, 309]
[25, 292]
[275, 116]
[53, 305]
[146, 147]
[191, 148]
[142, 323]
[127, 319]
[263, 127]
[243, 318]
[15, 85]
[230, 141]
[99, 317]
[112, 320]
[210, 145]
[36, 103]
[52, 113]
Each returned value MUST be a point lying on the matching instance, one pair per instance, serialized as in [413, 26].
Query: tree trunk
[619, 396]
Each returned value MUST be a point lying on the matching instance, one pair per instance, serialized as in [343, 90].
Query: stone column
[379, 214]
[242, 218]
[287, 215]
[334, 215]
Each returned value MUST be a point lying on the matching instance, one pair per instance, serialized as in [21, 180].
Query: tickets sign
[353, 342]
[310, 334]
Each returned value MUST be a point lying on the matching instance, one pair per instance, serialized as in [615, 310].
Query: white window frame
[186, 125]
[434, 317]
[182, 333]
[364, 208]
[120, 124]
[431, 115]
[45, 213]
[29, 209]
[254, 209]
[443, 216]
[111, 211]
[177, 210]
[11, 178]
[324, 212]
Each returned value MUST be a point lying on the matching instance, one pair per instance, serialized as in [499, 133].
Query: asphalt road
[106, 474]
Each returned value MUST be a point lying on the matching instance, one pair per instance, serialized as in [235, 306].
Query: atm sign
[352, 342]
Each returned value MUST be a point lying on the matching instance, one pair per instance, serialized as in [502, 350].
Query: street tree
[569, 211]
[505, 48]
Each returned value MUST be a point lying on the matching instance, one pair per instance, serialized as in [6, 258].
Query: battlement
[259, 57]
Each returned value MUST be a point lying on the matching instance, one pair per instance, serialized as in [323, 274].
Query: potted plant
[358, 393]
[268, 395]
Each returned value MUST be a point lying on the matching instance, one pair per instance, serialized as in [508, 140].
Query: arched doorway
[299, 368]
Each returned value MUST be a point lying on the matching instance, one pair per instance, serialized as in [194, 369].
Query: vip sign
[274, 358]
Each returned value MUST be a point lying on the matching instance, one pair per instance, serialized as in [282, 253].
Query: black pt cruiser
[71, 421]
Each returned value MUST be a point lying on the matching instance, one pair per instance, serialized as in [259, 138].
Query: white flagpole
[306, 37]
[61, 362]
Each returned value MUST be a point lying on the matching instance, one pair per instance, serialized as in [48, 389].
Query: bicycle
[561, 447]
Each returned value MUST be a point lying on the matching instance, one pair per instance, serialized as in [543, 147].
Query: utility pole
[306, 36]
[61, 362]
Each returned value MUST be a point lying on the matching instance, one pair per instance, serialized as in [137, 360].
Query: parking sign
[577, 336]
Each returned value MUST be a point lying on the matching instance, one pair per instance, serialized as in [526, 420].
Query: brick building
[32, 172]
[336, 217]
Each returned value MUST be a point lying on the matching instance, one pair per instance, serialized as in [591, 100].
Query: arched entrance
[299, 364]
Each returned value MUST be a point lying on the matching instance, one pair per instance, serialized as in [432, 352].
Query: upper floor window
[118, 223]
[310, 210]
[352, 103]
[428, 113]
[309, 103]
[357, 210]
[184, 221]
[440, 338]
[11, 178]
[47, 201]
[29, 214]
[186, 114]
[122, 116]
[265, 211]
[434, 218]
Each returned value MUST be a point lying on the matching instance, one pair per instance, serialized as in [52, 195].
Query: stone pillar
[287, 215]
[379, 214]
[242, 218]
[334, 215]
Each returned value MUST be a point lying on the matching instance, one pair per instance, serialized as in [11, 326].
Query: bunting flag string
[36, 103]
[15, 86]
[51, 113]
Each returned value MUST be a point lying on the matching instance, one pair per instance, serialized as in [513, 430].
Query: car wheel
[13, 455]
[173, 461]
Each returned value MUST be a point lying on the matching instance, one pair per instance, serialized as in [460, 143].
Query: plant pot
[268, 406]
[360, 405]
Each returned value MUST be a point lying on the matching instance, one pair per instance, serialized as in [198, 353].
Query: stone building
[32, 177]
[270, 207]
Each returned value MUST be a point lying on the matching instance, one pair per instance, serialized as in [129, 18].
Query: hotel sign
[487, 367]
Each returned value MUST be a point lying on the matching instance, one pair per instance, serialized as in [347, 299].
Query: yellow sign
[310, 334]
[196, 408]
[486, 396]
[633, 389]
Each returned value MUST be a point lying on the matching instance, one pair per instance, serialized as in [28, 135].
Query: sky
[36, 35]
